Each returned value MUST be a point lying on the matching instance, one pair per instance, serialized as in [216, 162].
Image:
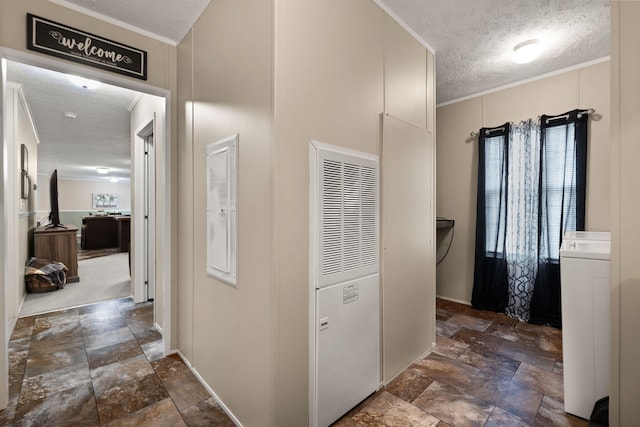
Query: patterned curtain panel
[531, 190]
[522, 217]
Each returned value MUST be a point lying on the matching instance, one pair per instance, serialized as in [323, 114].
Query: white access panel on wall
[222, 172]
[344, 281]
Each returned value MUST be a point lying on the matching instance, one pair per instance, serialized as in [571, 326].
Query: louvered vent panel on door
[332, 217]
[369, 218]
[351, 217]
[348, 229]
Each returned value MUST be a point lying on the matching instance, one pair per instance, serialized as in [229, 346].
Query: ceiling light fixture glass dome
[102, 171]
[526, 51]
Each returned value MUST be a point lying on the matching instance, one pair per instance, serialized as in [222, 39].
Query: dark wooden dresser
[58, 244]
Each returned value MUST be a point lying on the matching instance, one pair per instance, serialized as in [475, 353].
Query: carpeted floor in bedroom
[102, 278]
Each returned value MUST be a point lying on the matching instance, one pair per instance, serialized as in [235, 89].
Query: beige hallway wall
[331, 86]
[20, 131]
[329, 83]
[226, 88]
[457, 158]
[77, 194]
[278, 73]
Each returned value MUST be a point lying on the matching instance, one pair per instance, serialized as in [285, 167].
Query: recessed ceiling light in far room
[84, 83]
[526, 51]
[114, 179]
[103, 171]
[70, 114]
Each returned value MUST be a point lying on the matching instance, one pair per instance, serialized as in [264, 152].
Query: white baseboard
[454, 300]
[158, 328]
[210, 390]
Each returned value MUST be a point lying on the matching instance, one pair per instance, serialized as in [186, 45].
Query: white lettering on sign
[89, 50]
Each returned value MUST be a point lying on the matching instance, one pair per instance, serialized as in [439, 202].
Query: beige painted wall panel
[329, 87]
[553, 95]
[185, 197]
[232, 328]
[625, 271]
[19, 132]
[77, 195]
[25, 135]
[457, 159]
[407, 219]
[595, 90]
[457, 168]
[13, 30]
[405, 76]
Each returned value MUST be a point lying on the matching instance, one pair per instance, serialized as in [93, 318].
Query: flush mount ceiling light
[70, 114]
[84, 83]
[526, 51]
[114, 179]
[103, 171]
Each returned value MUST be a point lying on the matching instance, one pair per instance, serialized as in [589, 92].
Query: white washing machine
[586, 324]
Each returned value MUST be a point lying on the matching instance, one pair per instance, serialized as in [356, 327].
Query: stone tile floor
[486, 370]
[101, 365]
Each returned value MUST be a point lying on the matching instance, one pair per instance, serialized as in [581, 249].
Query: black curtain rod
[589, 111]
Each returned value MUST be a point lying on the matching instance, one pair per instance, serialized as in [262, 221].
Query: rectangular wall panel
[408, 260]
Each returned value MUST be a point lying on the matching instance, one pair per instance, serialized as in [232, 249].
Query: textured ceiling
[98, 136]
[474, 39]
[168, 19]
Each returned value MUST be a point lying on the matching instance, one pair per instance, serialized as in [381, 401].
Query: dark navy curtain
[490, 274]
[515, 272]
[563, 188]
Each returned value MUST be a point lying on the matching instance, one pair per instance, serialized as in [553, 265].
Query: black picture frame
[25, 185]
[24, 158]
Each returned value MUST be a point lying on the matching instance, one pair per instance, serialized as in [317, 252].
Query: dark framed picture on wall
[24, 158]
[25, 185]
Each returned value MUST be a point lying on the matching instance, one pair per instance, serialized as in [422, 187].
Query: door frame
[144, 252]
[10, 211]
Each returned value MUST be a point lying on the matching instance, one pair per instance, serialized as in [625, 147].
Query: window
[531, 190]
[559, 193]
[495, 194]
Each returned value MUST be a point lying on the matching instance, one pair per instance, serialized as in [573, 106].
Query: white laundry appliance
[586, 324]
[344, 300]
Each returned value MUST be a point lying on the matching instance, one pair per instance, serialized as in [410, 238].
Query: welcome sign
[76, 45]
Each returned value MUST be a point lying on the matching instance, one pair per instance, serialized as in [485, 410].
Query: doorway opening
[141, 103]
[12, 272]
